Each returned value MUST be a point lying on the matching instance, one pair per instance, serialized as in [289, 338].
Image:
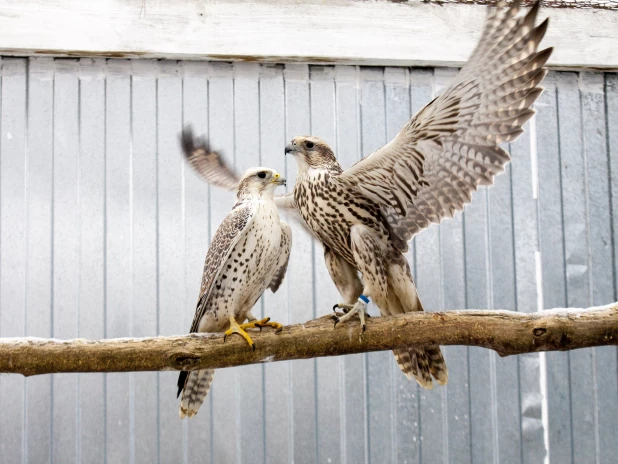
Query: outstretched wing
[209, 164]
[233, 227]
[451, 146]
[284, 257]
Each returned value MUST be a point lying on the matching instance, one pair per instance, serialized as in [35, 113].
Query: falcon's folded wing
[284, 257]
[228, 234]
[451, 146]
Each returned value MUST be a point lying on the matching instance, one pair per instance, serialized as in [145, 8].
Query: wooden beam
[383, 32]
[506, 332]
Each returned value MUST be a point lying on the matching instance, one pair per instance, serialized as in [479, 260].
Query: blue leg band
[364, 298]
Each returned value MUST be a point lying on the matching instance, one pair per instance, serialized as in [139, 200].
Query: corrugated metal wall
[103, 232]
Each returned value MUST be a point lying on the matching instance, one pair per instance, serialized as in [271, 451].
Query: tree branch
[506, 332]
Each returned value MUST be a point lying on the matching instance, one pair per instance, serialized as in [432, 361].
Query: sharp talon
[335, 307]
[253, 346]
[367, 315]
[363, 327]
[265, 320]
[224, 338]
[336, 322]
[278, 330]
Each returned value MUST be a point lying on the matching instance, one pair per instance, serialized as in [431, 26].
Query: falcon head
[259, 183]
[311, 152]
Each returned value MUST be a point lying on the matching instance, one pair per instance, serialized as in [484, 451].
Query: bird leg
[344, 307]
[359, 308]
[236, 328]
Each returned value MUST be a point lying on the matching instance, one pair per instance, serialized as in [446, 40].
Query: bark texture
[505, 332]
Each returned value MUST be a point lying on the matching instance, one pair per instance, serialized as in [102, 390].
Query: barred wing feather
[208, 163]
[451, 146]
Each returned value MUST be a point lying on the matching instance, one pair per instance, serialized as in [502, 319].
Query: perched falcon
[248, 254]
[365, 215]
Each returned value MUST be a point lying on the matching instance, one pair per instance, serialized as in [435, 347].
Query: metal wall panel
[103, 232]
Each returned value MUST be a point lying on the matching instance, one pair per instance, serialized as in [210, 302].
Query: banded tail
[194, 387]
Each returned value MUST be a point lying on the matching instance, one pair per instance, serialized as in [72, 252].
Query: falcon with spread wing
[365, 215]
[248, 254]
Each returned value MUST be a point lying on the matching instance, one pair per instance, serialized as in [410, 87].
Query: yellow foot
[239, 329]
[266, 323]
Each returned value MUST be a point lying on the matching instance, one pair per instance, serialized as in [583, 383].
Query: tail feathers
[421, 363]
[196, 388]
[437, 366]
[418, 362]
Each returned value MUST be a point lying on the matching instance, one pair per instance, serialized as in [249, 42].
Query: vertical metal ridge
[158, 260]
[79, 261]
[393, 411]
[361, 144]
[105, 224]
[183, 215]
[467, 305]
[516, 297]
[566, 290]
[359, 112]
[609, 181]
[210, 234]
[586, 190]
[52, 264]
[565, 276]
[262, 367]
[445, 423]
[539, 278]
[287, 283]
[313, 295]
[132, 270]
[235, 163]
[582, 76]
[492, 358]
[341, 364]
[521, 431]
[24, 423]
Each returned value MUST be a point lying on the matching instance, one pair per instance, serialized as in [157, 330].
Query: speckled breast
[249, 269]
[330, 210]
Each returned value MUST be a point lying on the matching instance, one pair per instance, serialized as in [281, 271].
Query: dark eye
[309, 144]
[261, 174]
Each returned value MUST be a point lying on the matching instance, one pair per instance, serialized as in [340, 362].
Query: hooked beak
[290, 149]
[278, 180]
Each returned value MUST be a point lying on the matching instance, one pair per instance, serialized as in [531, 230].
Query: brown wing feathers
[208, 163]
[450, 147]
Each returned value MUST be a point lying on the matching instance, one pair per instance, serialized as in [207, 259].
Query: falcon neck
[264, 194]
[265, 197]
[254, 202]
[332, 169]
